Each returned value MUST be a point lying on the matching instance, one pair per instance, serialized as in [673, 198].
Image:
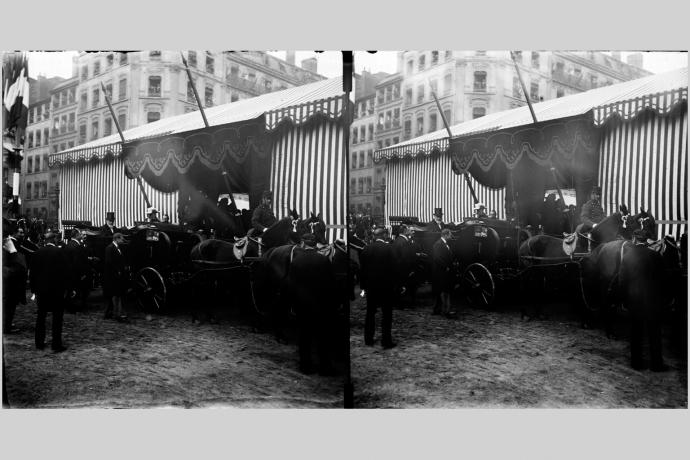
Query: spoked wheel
[477, 285]
[150, 290]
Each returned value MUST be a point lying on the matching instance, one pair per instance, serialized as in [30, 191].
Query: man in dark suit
[114, 279]
[312, 283]
[406, 259]
[263, 216]
[79, 268]
[436, 225]
[442, 278]
[378, 279]
[48, 279]
[109, 228]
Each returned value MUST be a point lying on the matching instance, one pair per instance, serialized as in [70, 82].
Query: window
[432, 122]
[560, 92]
[410, 66]
[62, 146]
[234, 97]
[379, 96]
[83, 101]
[208, 97]
[593, 80]
[448, 84]
[354, 161]
[368, 185]
[191, 58]
[70, 125]
[190, 92]
[408, 96]
[70, 144]
[96, 68]
[370, 136]
[362, 133]
[517, 89]
[122, 94]
[153, 116]
[534, 91]
[560, 68]
[44, 189]
[109, 90]
[354, 135]
[420, 124]
[70, 96]
[45, 135]
[38, 138]
[107, 126]
[109, 59]
[154, 86]
[95, 102]
[446, 114]
[30, 165]
[31, 116]
[407, 128]
[45, 162]
[84, 73]
[535, 59]
[82, 133]
[396, 118]
[28, 190]
[420, 94]
[480, 81]
[396, 93]
[387, 123]
[31, 140]
[370, 157]
[122, 121]
[422, 62]
[362, 160]
[353, 186]
[37, 165]
[210, 63]
[433, 87]
[360, 185]
[155, 54]
[94, 129]
[434, 57]
[396, 140]
[478, 112]
[123, 59]
[388, 93]
[37, 187]
[517, 55]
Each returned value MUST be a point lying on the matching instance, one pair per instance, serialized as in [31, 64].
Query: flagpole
[524, 88]
[122, 137]
[203, 115]
[450, 136]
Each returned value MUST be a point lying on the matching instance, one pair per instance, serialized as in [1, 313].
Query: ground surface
[496, 359]
[161, 362]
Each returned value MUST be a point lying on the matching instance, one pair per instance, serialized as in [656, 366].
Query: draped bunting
[521, 159]
[196, 160]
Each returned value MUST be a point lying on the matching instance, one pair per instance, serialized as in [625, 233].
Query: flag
[15, 98]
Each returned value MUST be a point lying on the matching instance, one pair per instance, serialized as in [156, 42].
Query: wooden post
[122, 138]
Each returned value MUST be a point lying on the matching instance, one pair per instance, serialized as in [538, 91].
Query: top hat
[110, 216]
[438, 212]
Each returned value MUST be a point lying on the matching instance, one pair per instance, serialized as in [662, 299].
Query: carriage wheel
[150, 290]
[477, 285]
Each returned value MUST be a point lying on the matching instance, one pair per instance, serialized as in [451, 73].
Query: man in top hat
[312, 282]
[114, 279]
[442, 276]
[263, 216]
[79, 268]
[379, 280]
[480, 211]
[48, 279]
[406, 258]
[109, 228]
[436, 225]
[152, 215]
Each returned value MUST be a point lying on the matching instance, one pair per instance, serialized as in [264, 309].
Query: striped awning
[661, 103]
[663, 93]
[297, 105]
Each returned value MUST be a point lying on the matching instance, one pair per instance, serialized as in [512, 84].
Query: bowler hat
[438, 212]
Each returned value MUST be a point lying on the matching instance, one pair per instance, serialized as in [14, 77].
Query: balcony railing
[575, 80]
[250, 86]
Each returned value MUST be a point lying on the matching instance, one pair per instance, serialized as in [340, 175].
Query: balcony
[243, 84]
[573, 80]
[154, 91]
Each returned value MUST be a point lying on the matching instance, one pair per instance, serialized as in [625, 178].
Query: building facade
[471, 84]
[365, 193]
[35, 181]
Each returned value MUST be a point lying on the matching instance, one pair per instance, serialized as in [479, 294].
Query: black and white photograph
[174, 229]
[518, 223]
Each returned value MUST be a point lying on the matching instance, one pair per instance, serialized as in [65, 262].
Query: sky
[329, 62]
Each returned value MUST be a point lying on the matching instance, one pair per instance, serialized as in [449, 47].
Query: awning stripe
[414, 187]
[644, 163]
[308, 174]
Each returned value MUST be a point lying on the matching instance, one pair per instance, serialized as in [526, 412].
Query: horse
[638, 277]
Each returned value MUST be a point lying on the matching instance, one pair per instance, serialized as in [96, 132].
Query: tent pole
[450, 136]
[122, 137]
[524, 88]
